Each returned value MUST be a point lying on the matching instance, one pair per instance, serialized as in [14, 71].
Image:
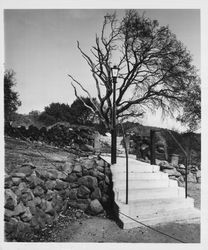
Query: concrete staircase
[153, 197]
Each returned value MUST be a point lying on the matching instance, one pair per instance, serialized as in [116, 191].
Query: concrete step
[150, 193]
[144, 183]
[143, 208]
[176, 215]
[140, 176]
[134, 165]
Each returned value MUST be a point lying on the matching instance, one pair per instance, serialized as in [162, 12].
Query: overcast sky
[40, 46]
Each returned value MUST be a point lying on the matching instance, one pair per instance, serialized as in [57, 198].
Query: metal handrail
[186, 157]
[186, 162]
[127, 163]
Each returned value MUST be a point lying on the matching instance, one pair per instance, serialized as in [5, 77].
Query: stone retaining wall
[178, 172]
[35, 197]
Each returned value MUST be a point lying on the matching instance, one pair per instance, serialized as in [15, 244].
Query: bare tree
[155, 68]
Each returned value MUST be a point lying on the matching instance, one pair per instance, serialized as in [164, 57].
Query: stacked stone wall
[35, 197]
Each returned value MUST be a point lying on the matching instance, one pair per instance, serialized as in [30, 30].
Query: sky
[40, 46]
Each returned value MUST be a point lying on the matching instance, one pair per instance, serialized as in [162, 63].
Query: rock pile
[179, 172]
[35, 197]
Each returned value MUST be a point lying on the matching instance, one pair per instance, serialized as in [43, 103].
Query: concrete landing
[152, 197]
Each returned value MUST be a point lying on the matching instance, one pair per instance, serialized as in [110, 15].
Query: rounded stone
[77, 168]
[34, 181]
[60, 185]
[96, 194]
[83, 192]
[72, 194]
[16, 180]
[27, 216]
[88, 181]
[38, 191]
[50, 184]
[165, 165]
[68, 166]
[95, 207]
[10, 199]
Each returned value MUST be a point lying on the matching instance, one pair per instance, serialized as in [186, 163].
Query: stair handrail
[186, 161]
[127, 162]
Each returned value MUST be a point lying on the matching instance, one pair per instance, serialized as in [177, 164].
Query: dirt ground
[104, 230]
[84, 228]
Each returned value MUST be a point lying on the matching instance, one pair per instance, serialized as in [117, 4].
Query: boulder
[10, 199]
[191, 177]
[29, 164]
[26, 169]
[38, 191]
[181, 166]
[19, 175]
[95, 207]
[83, 204]
[27, 216]
[26, 195]
[32, 206]
[72, 178]
[52, 174]
[77, 168]
[89, 164]
[88, 181]
[49, 208]
[172, 172]
[85, 172]
[19, 209]
[22, 186]
[62, 175]
[83, 192]
[37, 201]
[68, 167]
[49, 219]
[100, 163]
[42, 173]
[165, 165]
[16, 181]
[73, 194]
[101, 169]
[49, 195]
[8, 214]
[60, 185]
[50, 184]
[96, 194]
[34, 181]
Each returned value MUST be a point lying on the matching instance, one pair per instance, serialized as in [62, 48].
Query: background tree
[80, 111]
[155, 68]
[56, 112]
[192, 107]
[11, 98]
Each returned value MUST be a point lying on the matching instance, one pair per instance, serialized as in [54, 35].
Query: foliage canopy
[156, 69]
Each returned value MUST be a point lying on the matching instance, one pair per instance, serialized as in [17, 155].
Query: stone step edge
[179, 215]
[143, 201]
[156, 189]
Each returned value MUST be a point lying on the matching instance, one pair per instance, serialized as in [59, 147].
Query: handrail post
[186, 181]
[152, 147]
